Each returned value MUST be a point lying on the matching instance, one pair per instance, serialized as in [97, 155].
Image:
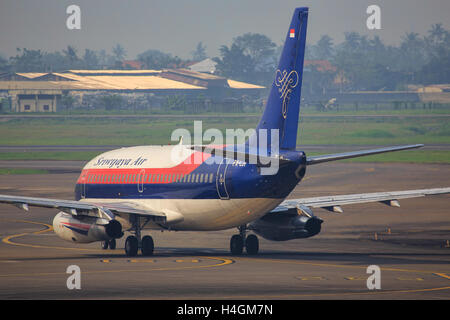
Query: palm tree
[323, 50]
[119, 52]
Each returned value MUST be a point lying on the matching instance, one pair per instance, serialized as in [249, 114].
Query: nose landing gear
[109, 244]
[239, 241]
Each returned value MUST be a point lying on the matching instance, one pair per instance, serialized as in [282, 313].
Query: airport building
[47, 92]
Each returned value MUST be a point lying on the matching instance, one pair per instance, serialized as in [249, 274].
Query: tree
[259, 48]
[119, 52]
[111, 102]
[90, 59]
[4, 65]
[251, 57]
[323, 50]
[28, 61]
[437, 68]
[71, 54]
[412, 56]
[155, 59]
[234, 63]
[199, 53]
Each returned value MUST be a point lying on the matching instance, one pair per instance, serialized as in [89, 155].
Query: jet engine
[85, 229]
[287, 225]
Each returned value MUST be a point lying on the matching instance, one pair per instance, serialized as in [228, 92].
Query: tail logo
[286, 82]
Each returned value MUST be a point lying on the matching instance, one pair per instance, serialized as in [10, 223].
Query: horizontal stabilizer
[354, 154]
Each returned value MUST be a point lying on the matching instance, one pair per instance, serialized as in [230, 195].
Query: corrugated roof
[122, 80]
[139, 83]
[137, 72]
[31, 75]
[242, 85]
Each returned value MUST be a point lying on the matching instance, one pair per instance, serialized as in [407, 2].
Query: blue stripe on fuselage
[241, 182]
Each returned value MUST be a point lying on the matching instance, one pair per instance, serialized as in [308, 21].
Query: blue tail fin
[283, 105]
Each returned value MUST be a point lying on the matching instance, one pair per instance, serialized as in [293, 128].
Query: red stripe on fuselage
[81, 226]
[103, 175]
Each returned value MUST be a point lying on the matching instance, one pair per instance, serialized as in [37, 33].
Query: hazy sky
[177, 26]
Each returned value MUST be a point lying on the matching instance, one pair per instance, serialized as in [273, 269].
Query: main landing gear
[133, 243]
[239, 241]
[109, 244]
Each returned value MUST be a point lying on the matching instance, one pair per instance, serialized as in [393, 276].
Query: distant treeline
[358, 63]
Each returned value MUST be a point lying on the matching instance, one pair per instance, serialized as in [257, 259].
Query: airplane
[143, 188]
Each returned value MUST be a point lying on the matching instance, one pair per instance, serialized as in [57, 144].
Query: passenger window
[211, 177]
[196, 178]
[201, 178]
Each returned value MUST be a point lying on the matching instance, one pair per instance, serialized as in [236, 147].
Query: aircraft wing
[334, 203]
[105, 210]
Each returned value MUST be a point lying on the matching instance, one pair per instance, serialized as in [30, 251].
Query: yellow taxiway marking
[314, 278]
[443, 275]
[7, 240]
[48, 228]
[410, 279]
[184, 260]
[343, 266]
[356, 278]
[222, 262]
[295, 295]
[141, 260]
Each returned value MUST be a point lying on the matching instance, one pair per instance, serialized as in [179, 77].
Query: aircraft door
[83, 184]
[140, 181]
[223, 179]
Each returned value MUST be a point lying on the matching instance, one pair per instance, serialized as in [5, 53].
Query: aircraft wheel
[131, 246]
[147, 246]
[112, 244]
[236, 245]
[105, 245]
[252, 245]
